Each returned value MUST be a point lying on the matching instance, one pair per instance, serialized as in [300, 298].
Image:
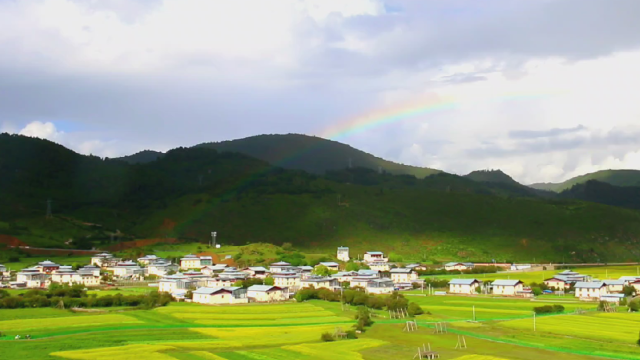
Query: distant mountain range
[613, 177]
[315, 204]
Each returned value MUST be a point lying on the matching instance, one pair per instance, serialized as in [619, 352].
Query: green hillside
[190, 192]
[498, 180]
[604, 193]
[613, 177]
[312, 154]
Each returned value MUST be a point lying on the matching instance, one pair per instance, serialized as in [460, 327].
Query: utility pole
[49, 216]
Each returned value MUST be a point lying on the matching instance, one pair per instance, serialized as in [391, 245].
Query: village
[197, 279]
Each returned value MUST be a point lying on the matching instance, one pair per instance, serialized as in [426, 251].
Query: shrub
[351, 334]
[326, 336]
[634, 305]
[364, 318]
[548, 309]
[414, 309]
[629, 290]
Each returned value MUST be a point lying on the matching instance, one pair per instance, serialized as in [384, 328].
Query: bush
[634, 305]
[629, 290]
[548, 309]
[414, 309]
[536, 291]
[351, 334]
[326, 336]
[364, 318]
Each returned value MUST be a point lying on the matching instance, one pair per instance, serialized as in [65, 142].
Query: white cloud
[46, 130]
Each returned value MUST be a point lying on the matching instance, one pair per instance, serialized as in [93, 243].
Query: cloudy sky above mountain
[543, 90]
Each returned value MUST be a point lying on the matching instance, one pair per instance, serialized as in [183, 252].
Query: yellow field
[67, 322]
[151, 352]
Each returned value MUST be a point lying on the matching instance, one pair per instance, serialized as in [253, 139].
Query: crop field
[186, 331]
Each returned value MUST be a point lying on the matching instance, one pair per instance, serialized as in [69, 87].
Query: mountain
[142, 157]
[190, 192]
[312, 154]
[499, 180]
[613, 177]
[605, 193]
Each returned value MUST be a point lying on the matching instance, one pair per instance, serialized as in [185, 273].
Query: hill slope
[499, 180]
[142, 157]
[190, 192]
[312, 154]
[613, 177]
[604, 193]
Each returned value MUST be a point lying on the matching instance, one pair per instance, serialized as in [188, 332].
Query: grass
[12, 327]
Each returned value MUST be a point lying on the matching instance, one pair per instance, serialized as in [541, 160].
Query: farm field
[292, 331]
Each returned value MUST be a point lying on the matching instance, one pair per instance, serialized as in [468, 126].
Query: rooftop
[209, 291]
[329, 263]
[589, 285]
[401, 271]
[506, 282]
[263, 288]
[375, 252]
[463, 281]
[281, 263]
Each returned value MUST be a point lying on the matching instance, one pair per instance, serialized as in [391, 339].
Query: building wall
[266, 296]
[293, 283]
[375, 258]
[380, 267]
[343, 255]
[591, 293]
[222, 298]
[317, 285]
[190, 264]
[557, 284]
[166, 286]
[507, 290]
[379, 290]
[398, 278]
[463, 289]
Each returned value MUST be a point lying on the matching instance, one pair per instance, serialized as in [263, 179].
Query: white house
[558, 282]
[280, 266]
[380, 266]
[213, 269]
[292, 281]
[47, 267]
[459, 266]
[375, 256]
[161, 268]
[343, 253]
[222, 295]
[32, 278]
[171, 283]
[127, 269]
[259, 272]
[330, 265]
[590, 290]
[614, 286]
[344, 276]
[507, 287]
[190, 262]
[104, 260]
[318, 282]
[464, 286]
[403, 275]
[148, 259]
[90, 269]
[629, 279]
[379, 286]
[266, 293]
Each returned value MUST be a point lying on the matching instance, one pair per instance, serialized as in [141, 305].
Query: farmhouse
[614, 286]
[280, 266]
[343, 253]
[161, 268]
[213, 269]
[148, 259]
[266, 293]
[47, 267]
[305, 271]
[221, 295]
[319, 282]
[90, 269]
[330, 265]
[171, 283]
[379, 286]
[612, 298]
[206, 261]
[32, 278]
[127, 269]
[287, 280]
[629, 279]
[190, 262]
[507, 287]
[459, 266]
[590, 290]
[558, 282]
[362, 281]
[375, 257]
[464, 286]
[344, 276]
[380, 266]
[256, 271]
[403, 275]
[104, 260]
[63, 276]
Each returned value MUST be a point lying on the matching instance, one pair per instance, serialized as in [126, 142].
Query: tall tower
[343, 253]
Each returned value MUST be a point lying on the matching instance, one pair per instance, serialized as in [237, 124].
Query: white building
[330, 265]
[32, 278]
[403, 275]
[375, 256]
[590, 290]
[379, 286]
[171, 283]
[507, 287]
[614, 286]
[318, 282]
[266, 293]
[259, 272]
[380, 266]
[104, 260]
[280, 267]
[464, 286]
[148, 259]
[343, 253]
[292, 281]
[190, 262]
[161, 268]
[460, 266]
[222, 295]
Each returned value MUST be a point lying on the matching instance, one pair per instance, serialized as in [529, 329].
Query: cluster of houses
[584, 287]
[47, 272]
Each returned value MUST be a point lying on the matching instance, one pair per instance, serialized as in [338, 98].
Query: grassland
[292, 331]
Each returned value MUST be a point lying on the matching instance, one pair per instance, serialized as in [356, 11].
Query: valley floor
[503, 330]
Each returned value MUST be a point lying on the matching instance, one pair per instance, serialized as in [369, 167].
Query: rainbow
[382, 117]
[370, 121]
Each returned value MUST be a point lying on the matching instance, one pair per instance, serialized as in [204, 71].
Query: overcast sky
[544, 90]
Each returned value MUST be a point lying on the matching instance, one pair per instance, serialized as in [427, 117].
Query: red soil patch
[11, 241]
[58, 252]
[216, 259]
[140, 243]
[168, 224]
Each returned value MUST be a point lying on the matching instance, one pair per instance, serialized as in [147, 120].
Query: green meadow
[503, 330]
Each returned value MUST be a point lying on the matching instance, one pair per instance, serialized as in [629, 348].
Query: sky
[543, 90]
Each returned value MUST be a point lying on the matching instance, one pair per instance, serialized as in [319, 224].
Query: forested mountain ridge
[190, 192]
[613, 177]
